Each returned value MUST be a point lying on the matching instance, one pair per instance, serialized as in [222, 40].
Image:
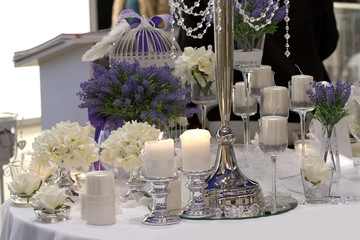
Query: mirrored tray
[291, 202]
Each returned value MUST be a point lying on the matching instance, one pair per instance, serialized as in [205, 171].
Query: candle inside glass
[260, 78]
[300, 83]
[274, 101]
[240, 95]
[274, 130]
[195, 145]
[158, 158]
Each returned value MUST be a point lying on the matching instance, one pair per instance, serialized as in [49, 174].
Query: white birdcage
[148, 45]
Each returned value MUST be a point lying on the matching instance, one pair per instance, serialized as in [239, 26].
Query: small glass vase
[203, 93]
[136, 187]
[330, 151]
[21, 200]
[58, 215]
[64, 180]
[317, 185]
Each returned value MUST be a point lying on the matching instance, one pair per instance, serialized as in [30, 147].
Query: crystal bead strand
[287, 35]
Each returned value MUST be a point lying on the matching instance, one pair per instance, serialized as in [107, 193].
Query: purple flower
[329, 101]
[152, 93]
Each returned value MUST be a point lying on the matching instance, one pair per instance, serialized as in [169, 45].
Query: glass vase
[203, 93]
[136, 187]
[330, 151]
[64, 180]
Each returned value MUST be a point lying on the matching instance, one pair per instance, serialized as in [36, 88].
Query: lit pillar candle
[240, 95]
[158, 158]
[273, 130]
[299, 85]
[274, 101]
[195, 146]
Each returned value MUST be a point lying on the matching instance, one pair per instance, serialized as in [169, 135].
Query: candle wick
[299, 69]
[278, 106]
[160, 136]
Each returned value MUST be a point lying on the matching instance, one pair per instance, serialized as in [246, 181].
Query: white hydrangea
[67, 144]
[199, 59]
[124, 145]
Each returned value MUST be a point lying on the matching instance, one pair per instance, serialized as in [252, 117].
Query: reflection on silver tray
[236, 212]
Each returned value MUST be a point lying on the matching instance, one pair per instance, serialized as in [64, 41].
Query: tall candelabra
[228, 186]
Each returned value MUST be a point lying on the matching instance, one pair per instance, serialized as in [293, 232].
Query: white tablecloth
[326, 221]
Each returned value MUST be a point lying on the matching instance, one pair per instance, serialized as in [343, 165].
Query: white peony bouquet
[25, 184]
[67, 144]
[123, 147]
[198, 64]
[49, 197]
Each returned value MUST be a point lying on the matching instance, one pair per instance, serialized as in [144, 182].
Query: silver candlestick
[228, 187]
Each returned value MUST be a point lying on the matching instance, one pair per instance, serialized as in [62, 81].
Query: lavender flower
[255, 9]
[329, 101]
[151, 94]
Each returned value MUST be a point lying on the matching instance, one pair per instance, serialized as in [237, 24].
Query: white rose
[316, 170]
[25, 183]
[49, 197]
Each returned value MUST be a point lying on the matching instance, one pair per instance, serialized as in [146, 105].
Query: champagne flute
[273, 139]
[299, 102]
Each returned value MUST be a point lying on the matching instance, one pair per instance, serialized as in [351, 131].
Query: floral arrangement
[124, 145]
[244, 32]
[25, 184]
[151, 94]
[198, 63]
[67, 144]
[49, 197]
[329, 101]
[316, 170]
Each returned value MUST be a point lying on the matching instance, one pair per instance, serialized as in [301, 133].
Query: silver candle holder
[196, 207]
[159, 214]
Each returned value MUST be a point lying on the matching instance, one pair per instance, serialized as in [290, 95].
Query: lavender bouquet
[268, 13]
[329, 101]
[152, 94]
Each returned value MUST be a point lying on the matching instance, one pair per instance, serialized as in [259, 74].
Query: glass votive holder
[20, 200]
[317, 185]
[58, 215]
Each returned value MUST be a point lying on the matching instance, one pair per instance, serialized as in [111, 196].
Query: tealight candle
[195, 145]
[158, 158]
[274, 130]
[262, 77]
[299, 85]
[274, 101]
[240, 95]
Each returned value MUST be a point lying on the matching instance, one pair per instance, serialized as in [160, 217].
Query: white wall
[25, 24]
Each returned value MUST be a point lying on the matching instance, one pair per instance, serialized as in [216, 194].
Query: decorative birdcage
[147, 44]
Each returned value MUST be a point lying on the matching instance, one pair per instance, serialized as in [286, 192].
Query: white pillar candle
[195, 145]
[262, 77]
[100, 183]
[273, 130]
[158, 158]
[274, 101]
[240, 95]
[299, 85]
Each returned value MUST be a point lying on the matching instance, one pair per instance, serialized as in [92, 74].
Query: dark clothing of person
[313, 38]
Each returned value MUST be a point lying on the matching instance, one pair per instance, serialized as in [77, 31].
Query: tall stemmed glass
[239, 106]
[299, 102]
[273, 139]
[247, 59]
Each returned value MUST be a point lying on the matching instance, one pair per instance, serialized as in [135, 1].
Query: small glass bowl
[20, 200]
[59, 215]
